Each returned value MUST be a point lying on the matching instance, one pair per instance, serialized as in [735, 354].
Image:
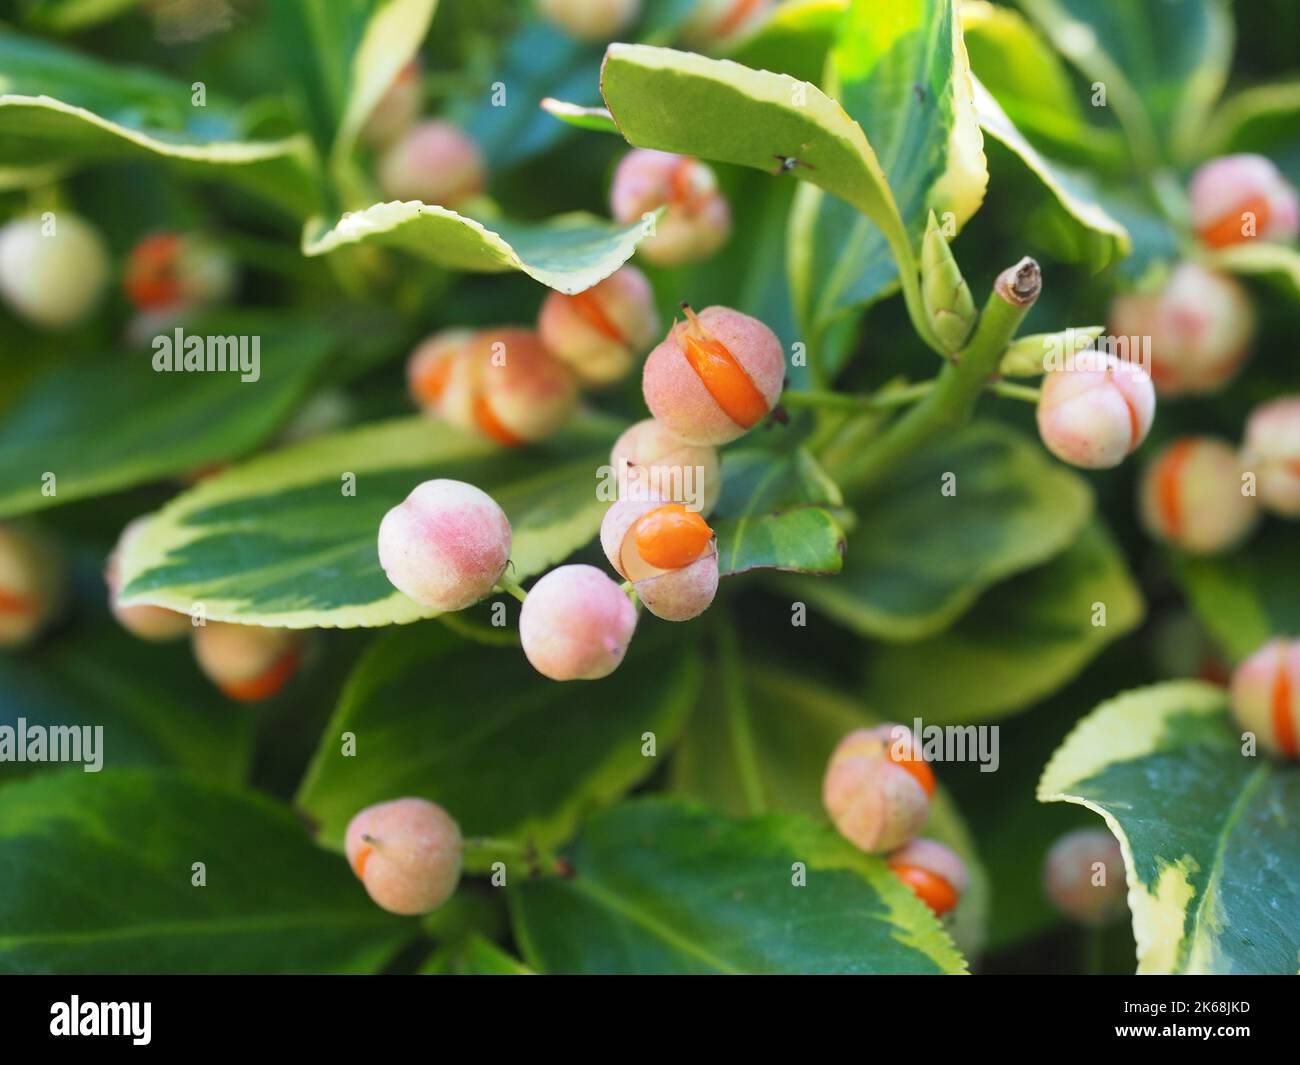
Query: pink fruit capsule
[1266, 696]
[246, 662]
[398, 108]
[154, 623]
[1083, 876]
[508, 388]
[653, 462]
[31, 584]
[576, 624]
[434, 162]
[696, 221]
[53, 268]
[431, 367]
[446, 545]
[934, 872]
[1192, 497]
[667, 552]
[407, 853]
[715, 377]
[1238, 198]
[168, 273]
[1200, 324]
[1096, 411]
[599, 333]
[877, 787]
[716, 23]
[1272, 452]
[590, 20]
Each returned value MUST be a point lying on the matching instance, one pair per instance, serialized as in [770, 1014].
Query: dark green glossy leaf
[466, 726]
[1021, 641]
[783, 735]
[1249, 596]
[147, 697]
[769, 517]
[98, 879]
[666, 887]
[919, 558]
[118, 422]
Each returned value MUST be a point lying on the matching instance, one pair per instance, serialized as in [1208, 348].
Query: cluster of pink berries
[246, 662]
[1201, 321]
[714, 377]
[517, 385]
[1205, 496]
[877, 791]
[430, 160]
[1083, 876]
[32, 581]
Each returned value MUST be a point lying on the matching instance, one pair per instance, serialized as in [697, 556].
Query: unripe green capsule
[947, 299]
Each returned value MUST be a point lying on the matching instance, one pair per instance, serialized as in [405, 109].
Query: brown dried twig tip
[1020, 285]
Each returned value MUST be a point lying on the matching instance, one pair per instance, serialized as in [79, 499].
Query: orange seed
[929, 887]
[670, 537]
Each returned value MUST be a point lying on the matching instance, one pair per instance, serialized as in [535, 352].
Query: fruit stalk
[950, 403]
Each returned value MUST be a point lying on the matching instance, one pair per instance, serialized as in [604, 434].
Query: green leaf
[72, 16]
[710, 108]
[1263, 118]
[1097, 236]
[667, 887]
[592, 118]
[787, 731]
[145, 696]
[276, 541]
[570, 253]
[1249, 596]
[905, 78]
[794, 39]
[1163, 62]
[475, 957]
[1027, 355]
[918, 558]
[1278, 264]
[769, 515]
[1212, 857]
[1032, 85]
[1022, 641]
[464, 726]
[58, 107]
[392, 36]
[98, 879]
[114, 422]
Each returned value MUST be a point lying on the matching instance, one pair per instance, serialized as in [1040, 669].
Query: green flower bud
[948, 303]
[1040, 353]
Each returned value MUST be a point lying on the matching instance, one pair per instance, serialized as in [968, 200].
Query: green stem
[482, 852]
[484, 634]
[1010, 390]
[952, 400]
[909, 275]
[505, 584]
[886, 399]
[736, 707]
